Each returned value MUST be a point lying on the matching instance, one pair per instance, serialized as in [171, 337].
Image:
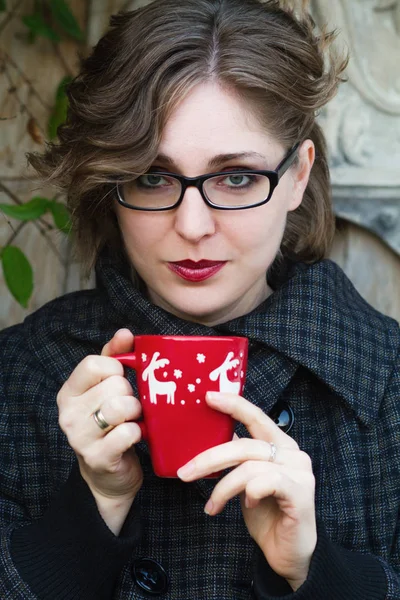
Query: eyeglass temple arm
[288, 160]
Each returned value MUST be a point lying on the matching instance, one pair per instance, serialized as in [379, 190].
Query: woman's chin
[204, 311]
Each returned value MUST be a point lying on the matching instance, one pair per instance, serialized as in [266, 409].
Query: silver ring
[273, 452]
[100, 420]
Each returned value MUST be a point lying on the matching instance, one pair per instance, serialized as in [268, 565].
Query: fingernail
[219, 399]
[209, 508]
[186, 470]
[214, 396]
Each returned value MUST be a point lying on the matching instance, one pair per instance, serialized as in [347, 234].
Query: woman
[197, 180]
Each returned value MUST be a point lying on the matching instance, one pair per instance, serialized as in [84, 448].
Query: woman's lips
[196, 271]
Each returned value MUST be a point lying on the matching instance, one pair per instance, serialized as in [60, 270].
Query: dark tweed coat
[314, 344]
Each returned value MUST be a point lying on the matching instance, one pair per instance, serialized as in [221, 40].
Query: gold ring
[100, 421]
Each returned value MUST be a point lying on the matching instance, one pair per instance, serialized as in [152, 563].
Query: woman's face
[210, 122]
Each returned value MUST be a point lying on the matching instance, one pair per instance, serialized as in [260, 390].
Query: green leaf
[31, 37]
[59, 112]
[60, 93]
[29, 211]
[63, 16]
[38, 26]
[61, 216]
[3, 5]
[18, 274]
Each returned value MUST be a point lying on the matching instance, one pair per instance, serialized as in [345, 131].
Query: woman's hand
[277, 497]
[107, 460]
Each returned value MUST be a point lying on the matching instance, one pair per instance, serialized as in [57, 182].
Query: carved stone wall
[362, 127]
[362, 123]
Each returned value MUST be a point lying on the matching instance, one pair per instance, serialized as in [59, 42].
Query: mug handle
[129, 360]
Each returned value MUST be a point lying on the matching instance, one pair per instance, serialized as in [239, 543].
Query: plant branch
[62, 60]
[7, 220]
[15, 199]
[38, 223]
[10, 15]
[52, 245]
[32, 88]
[14, 89]
[14, 235]
[10, 194]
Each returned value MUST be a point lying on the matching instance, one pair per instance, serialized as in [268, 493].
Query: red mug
[173, 375]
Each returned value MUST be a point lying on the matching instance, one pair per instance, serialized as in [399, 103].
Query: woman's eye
[151, 180]
[237, 180]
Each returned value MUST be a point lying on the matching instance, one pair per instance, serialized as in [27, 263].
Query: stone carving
[362, 124]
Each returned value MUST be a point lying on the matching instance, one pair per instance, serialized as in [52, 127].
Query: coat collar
[314, 319]
[318, 319]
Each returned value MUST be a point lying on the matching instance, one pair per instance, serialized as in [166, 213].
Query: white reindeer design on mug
[232, 387]
[156, 387]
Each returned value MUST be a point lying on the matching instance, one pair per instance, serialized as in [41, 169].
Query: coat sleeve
[67, 552]
[334, 573]
[11, 512]
[337, 572]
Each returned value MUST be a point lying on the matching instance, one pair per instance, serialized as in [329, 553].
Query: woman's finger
[109, 388]
[235, 483]
[239, 451]
[283, 486]
[82, 429]
[119, 409]
[91, 371]
[258, 424]
[76, 410]
[225, 456]
[261, 480]
[114, 445]
[121, 342]
[238, 480]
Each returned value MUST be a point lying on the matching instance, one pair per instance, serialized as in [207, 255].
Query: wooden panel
[371, 265]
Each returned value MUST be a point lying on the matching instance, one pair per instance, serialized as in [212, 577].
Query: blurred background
[40, 42]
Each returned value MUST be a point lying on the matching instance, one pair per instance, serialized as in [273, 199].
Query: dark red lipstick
[196, 271]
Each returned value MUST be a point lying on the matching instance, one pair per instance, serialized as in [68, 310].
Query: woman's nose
[193, 218]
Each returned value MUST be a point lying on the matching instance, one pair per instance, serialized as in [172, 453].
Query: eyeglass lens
[160, 191]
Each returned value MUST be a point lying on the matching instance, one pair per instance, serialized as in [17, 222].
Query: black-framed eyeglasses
[227, 190]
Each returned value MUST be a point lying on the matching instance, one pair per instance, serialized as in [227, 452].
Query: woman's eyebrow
[215, 161]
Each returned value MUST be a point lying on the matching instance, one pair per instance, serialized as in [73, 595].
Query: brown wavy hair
[148, 61]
